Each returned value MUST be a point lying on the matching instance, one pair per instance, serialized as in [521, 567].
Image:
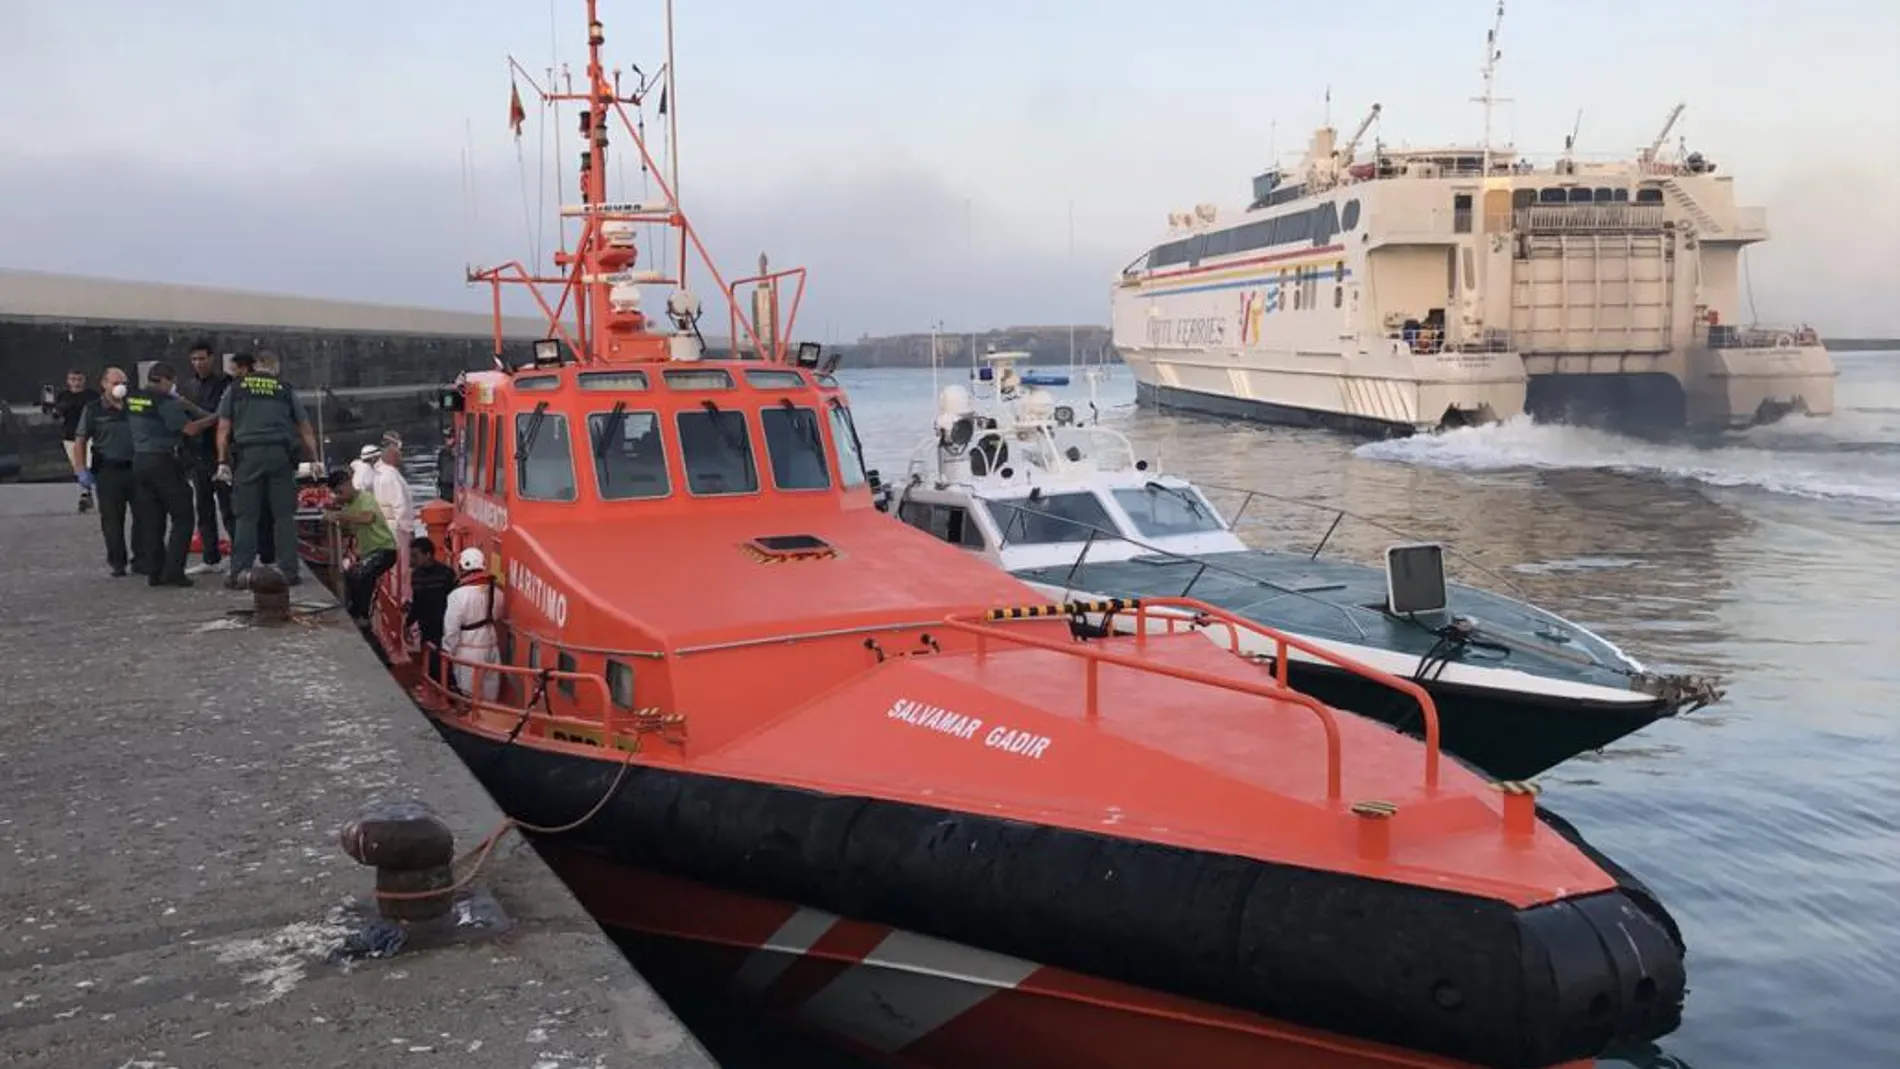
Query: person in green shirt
[374, 547]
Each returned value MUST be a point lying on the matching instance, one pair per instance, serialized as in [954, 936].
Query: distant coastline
[1863, 345]
[1045, 345]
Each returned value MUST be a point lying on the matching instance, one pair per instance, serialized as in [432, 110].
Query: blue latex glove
[85, 480]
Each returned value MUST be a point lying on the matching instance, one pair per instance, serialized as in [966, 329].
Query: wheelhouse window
[773, 379]
[629, 455]
[493, 482]
[698, 378]
[717, 450]
[796, 448]
[1159, 511]
[1070, 517]
[544, 457]
[850, 450]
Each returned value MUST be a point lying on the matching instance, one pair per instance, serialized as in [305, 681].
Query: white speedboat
[1065, 504]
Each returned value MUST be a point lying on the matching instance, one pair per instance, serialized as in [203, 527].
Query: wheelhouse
[659, 438]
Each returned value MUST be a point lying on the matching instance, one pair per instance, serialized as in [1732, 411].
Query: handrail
[1096, 657]
[1283, 641]
[780, 338]
[547, 677]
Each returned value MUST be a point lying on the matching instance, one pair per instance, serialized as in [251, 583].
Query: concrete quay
[172, 891]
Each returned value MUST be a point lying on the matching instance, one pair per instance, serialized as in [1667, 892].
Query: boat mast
[1491, 57]
[671, 91]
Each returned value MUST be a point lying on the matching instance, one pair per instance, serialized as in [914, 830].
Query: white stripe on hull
[794, 937]
[910, 986]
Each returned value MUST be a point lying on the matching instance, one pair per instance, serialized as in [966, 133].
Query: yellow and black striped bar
[1375, 809]
[1512, 786]
[1067, 608]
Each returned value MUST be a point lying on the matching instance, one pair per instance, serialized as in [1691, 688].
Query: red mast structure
[597, 314]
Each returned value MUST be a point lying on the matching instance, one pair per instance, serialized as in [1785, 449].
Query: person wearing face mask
[103, 425]
[161, 487]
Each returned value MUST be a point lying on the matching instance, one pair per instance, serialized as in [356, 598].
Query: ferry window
[620, 684]
[1523, 198]
[537, 383]
[1339, 283]
[1604, 195]
[1649, 195]
[1219, 243]
[1552, 195]
[629, 456]
[796, 448]
[1580, 195]
[774, 379]
[1324, 223]
[1621, 196]
[544, 457]
[565, 662]
[844, 434]
[1159, 510]
[1349, 219]
[717, 450]
[1071, 517]
[612, 380]
[699, 378]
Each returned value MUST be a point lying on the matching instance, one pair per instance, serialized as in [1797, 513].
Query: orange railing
[1202, 614]
[780, 337]
[538, 685]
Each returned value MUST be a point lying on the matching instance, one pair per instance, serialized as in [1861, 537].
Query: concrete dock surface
[172, 891]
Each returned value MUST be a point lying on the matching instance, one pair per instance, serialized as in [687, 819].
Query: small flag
[663, 100]
[516, 113]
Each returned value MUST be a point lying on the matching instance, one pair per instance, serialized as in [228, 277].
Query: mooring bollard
[270, 596]
[412, 851]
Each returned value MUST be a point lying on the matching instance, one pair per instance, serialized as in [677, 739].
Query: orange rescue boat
[784, 745]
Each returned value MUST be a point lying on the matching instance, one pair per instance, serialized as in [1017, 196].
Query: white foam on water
[1835, 465]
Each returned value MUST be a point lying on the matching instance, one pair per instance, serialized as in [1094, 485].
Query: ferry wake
[1417, 289]
[779, 741]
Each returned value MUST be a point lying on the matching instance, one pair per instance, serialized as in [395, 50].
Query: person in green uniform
[372, 544]
[161, 486]
[260, 422]
[106, 429]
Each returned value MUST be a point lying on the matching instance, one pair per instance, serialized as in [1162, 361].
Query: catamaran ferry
[1426, 288]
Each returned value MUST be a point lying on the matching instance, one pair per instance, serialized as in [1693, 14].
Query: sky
[979, 164]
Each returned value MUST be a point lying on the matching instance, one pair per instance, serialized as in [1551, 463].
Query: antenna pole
[1071, 263]
[1491, 56]
[673, 132]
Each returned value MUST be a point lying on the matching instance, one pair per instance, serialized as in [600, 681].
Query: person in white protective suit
[468, 624]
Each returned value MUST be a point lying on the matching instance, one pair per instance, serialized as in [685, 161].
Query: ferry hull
[1369, 405]
[1471, 978]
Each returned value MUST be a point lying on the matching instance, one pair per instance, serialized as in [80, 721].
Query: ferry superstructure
[1423, 288]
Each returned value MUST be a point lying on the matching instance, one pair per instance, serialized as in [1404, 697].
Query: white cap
[471, 560]
[368, 452]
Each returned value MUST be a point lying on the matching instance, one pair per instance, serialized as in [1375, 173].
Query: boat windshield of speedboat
[1066, 504]
[787, 749]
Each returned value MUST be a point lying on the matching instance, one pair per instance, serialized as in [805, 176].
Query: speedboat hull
[1244, 959]
[1523, 693]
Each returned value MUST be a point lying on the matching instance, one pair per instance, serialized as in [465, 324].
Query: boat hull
[888, 997]
[1504, 734]
[1459, 976]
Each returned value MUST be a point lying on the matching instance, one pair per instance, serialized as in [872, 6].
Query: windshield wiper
[610, 429]
[526, 441]
[1186, 497]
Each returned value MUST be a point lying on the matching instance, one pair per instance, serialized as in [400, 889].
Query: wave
[1809, 458]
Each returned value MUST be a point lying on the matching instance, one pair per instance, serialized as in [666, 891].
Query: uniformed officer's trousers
[161, 496]
[265, 478]
[112, 485]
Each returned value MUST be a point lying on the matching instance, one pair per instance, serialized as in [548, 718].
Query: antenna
[1491, 56]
